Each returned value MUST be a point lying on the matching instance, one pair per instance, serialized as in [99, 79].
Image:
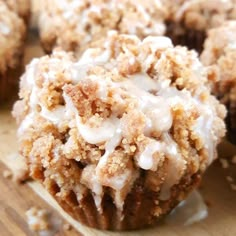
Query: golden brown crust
[128, 128]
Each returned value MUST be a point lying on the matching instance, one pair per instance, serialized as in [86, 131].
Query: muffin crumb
[233, 160]
[37, 219]
[224, 163]
[7, 174]
[21, 175]
[229, 179]
[67, 227]
[233, 187]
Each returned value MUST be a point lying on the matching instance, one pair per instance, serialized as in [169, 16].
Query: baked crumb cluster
[37, 219]
[74, 24]
[220, 55]
[126, 110]
[200, 14]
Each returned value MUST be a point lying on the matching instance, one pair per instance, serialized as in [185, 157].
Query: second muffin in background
[73, 25]
[20, 7]
[189, 20]
[12, 38]
[219, 55]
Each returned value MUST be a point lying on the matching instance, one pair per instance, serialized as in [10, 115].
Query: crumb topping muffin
[121, 135]
[220, 55]
[190, 19]
[72, 25]
[21, 7]
[12, 35]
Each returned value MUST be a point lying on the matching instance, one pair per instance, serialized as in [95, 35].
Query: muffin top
[220, 55]
[201, 14]
[12, 31]
[21, 7]
[124, 107]
[74, 24]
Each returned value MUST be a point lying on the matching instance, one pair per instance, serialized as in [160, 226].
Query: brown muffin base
[191, 38]
[9, 82]
[142, 208]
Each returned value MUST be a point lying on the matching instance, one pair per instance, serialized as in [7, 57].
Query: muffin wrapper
[9, 84]
[191, 38]
[138, 207]
[231, 122]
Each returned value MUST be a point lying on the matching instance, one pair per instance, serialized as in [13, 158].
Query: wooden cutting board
[16, 199]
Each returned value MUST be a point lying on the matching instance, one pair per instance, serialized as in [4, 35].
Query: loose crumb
[7, 174]
[233, 187]
[233, 159]
[224, 163]
[37, 219]
[21, 175]
[229, 179]
[67, 227]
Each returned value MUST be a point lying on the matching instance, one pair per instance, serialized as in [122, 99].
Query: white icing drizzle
[143, 81]
[109, 148]
[26, 123]
[88, 57]
[55, 116]
[146, 160]
[152, 106]
[158, 43]
[102, 133]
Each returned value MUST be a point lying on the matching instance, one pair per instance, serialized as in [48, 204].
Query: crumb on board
[7, 174]
[67, 227]
[233, 187]
[21, 175]
[233, 160]
[224, 163]
[229, 179]
[37, 219]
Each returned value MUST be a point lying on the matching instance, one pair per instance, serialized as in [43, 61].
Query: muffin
[73, 25]
[12, 35]
[189, 20]
[122, 135]
[219, 55]
[21, 7]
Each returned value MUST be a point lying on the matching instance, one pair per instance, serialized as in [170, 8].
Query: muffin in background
[73, 25]
[12, 37]
[21, 7]
[120, 136]
[219, 55]
[189, 20]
